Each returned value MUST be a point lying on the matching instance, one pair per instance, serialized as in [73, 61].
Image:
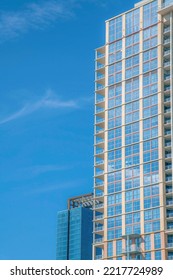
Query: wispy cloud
[39, 15]
[33, 16]
[49, 101]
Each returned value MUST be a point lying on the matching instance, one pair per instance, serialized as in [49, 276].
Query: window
[157, 241]
[132, 66]
[147, 240]
[132, 22]
[118, 247]
[115, 96]
[150, 83]
[132, 90]
[150, 14]
[115, 29]
[115, 51]
[110, 249]
[150, 37]
[151, 173]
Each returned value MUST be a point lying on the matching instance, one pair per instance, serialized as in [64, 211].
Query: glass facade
[74, 234]
[136, 125]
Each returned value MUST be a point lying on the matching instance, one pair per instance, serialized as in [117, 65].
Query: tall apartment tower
[74, 229]
[133, 135]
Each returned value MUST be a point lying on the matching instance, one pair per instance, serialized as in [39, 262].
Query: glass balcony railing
[99, 66]
[99, 172]
[167, 144]
[99, 100]
[166, 29]
[132, 249]
[168, 178]
[100, 55]
[167, 52]
[99, 120]
[167, 110]
[98, 162]
[167, 99]
[100, 205]
[167, 88]
[167, 77]
[99, 217]
[169, 245]
[99, 109]
[99, 257]
[99, 240]
[167, 121]
[99, 184]
[99, 228]
[100, 76]
[170, 257]
[166, 4]
[166, 41]
[169, 202]
[167, 167]
[99, 151]
[167, 132]
[166, 64]
[168, 155]
[99, 140]
[99, 130]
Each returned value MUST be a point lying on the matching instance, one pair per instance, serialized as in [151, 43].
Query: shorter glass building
[74, 229]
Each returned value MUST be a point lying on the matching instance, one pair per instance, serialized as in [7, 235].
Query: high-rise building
[74, 229]
[133, 135]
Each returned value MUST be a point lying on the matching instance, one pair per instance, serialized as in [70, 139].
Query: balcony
[99, 129]
[133, 249]
[167, 89]
[170, 245]
[168, 179]
[100, 205]
[99, 162]
[99, 110]
[166, 41]
[99, 195]
[99, 120]
[170, 257]
[165, 7]
[167, 77]
[100, 55]
[99, 257]
[99, 151]
[99, 228]
[166, 64]
[167, 132]
[99, 217]
[168, 155]
[167, 99]
[169, 189]
[167, 143]
[167, 110]
[166, 29]
[168, 166]
[166, 53]
[169, 202]
[99, 240]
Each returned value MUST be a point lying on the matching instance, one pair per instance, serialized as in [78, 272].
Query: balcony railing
[168, 155]
[167, 77]
[168, 167]
[98, 162]
[99, 66]
[99, 217]
[166, 29]
[168, 110]
[99, 184]
[99, 240]
[167, 88]
[167, 52]
[99, 140]
[167, 99]
[168, 178]
[169, 190]
[100, 205]
[166, 41]
[166, 64]
[170, 257]
[167, 144]
[100, 55]
[167, 132]
[132, 249]
[102, 99]
[100, 228]
[99, 129]
[99, 257]
[169, 202]
[99, 151]
[99, 109]
[169, 245]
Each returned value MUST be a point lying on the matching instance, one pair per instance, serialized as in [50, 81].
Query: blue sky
[46, 115]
